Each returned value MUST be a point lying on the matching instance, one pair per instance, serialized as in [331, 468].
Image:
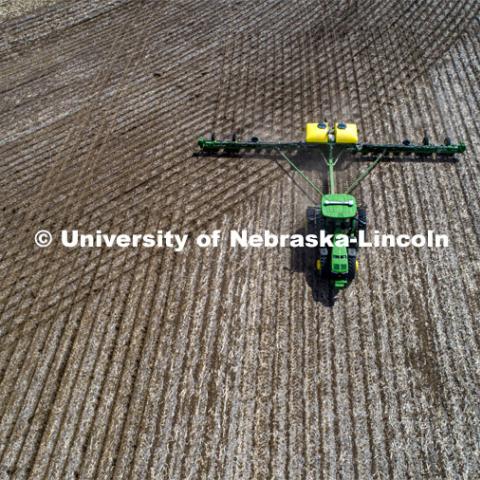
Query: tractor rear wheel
[321, 264]
[321, 223]
[310, 214]
[352, 267]
[310, 226]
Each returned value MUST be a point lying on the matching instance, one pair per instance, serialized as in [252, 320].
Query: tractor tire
[352, 267]
[310, 221]
[321, 267]
[311, 214]
[310, 228]
[321, 264]
[362, 219]
[321, 223]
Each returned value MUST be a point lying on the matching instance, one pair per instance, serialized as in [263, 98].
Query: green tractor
[337, 214]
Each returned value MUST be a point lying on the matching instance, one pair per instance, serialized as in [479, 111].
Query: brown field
[224, 363]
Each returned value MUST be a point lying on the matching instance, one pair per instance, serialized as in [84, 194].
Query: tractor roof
[339, 205]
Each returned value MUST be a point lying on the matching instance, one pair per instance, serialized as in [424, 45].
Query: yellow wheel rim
[318, 265]
[356, 265]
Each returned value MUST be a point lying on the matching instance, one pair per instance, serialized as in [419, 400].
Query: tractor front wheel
[362, 219]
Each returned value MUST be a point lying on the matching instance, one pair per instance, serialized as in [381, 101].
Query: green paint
[339, 260]
[339, 205]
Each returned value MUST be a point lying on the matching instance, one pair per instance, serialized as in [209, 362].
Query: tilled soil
[218, 362]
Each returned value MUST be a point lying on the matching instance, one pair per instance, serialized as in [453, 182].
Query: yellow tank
[317, 132]
[346, 132]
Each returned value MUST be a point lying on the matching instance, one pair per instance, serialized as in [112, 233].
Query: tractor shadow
[302, 259]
